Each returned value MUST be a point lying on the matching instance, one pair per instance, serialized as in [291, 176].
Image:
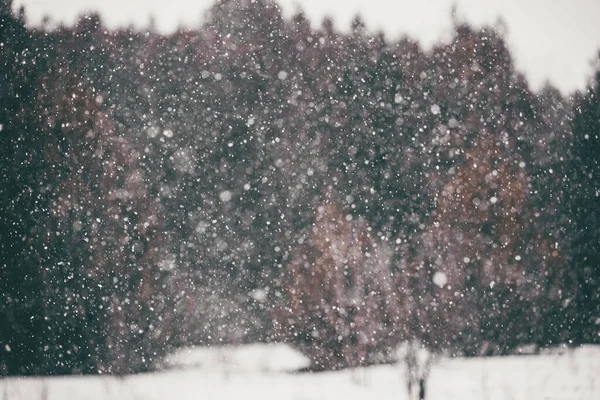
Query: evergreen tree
[585, 214]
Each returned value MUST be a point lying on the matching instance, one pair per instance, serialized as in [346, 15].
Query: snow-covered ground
[243, 359]
[255, 373]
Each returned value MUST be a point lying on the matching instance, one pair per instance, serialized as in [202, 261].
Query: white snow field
[258, 372]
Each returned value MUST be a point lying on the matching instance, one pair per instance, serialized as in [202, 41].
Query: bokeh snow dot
[225, 196]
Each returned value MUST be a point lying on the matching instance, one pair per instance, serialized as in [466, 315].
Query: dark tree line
[255, 179]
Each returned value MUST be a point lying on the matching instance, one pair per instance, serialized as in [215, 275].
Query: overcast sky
[551, 40]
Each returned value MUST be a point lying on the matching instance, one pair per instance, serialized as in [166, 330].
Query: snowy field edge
[241, 374]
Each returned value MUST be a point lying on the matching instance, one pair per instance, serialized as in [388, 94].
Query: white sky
[551, 40]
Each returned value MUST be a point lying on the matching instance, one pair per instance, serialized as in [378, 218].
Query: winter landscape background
[257, 179]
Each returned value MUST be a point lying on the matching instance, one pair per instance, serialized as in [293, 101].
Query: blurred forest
[258, 179]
